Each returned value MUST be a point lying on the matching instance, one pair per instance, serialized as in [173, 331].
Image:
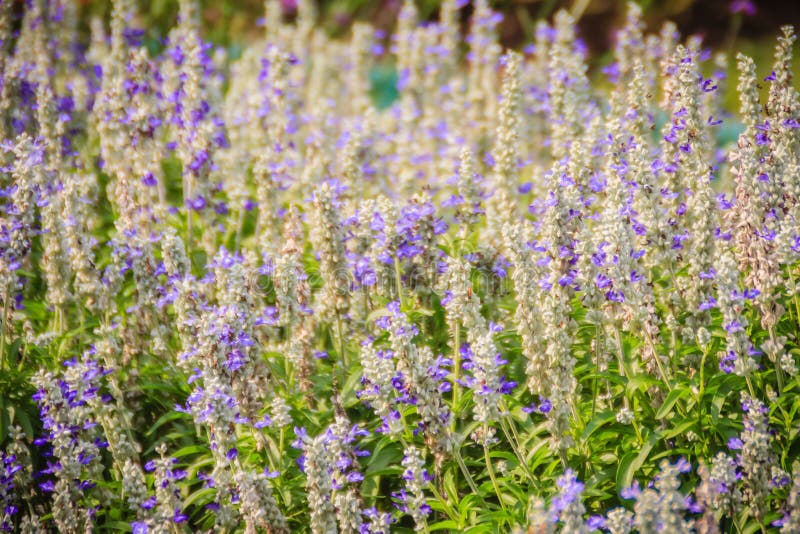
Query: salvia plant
[238, 296]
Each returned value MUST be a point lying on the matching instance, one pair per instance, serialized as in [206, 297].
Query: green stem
[342, 354]
[797, 308]
[513, 440]
[750, 387]
[466, 472]
[187, 189]
[490, 469]
[3, 329]
[732, 513]
[281, 439]
[239, 228]
[778, 370]
[398, 280]
[620, 354]
[456, 371]
[661, 370]
[597, 349]
[702, 388]
[625, 402]
[636, 428]
[562, 455]
[447, 509]
[702, 374]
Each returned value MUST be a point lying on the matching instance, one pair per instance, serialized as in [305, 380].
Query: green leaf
[672, 398]
[681, 428]
[641, 383]
[166, 418]
[203, 495]
[444, 525]
[597, 421]
[633, 461]
[190, 450]
[4, 423]
[450, 486]
[117, 526]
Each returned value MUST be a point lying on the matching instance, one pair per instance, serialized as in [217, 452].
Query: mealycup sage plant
[526, 296]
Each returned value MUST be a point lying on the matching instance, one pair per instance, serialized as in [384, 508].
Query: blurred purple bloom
[743, 6]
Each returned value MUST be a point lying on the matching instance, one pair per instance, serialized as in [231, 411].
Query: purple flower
[743, 6]
[596, 522]
[263, 422]
[602, 281]
[750, 294]
[383, 322]
[683, 465]
[723, 203]
[709, 86]
[719, 234]
[612, 72]
[780, 521]
[710, 274]
[545, 406]
[780, 481]
[726, 363]
[569, 491]
[271, 474]
[735, 444]
[355, 476]
[133, 36]
[632, 492]
[708, 304]
[692, 505]
[447, 297]
[733, 326]
[235, 360]
[196, 204]
[301, 434]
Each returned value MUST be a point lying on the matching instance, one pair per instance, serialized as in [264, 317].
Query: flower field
[240, 296]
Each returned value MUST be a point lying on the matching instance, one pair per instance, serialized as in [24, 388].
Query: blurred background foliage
[233, 23]
[749, 26]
